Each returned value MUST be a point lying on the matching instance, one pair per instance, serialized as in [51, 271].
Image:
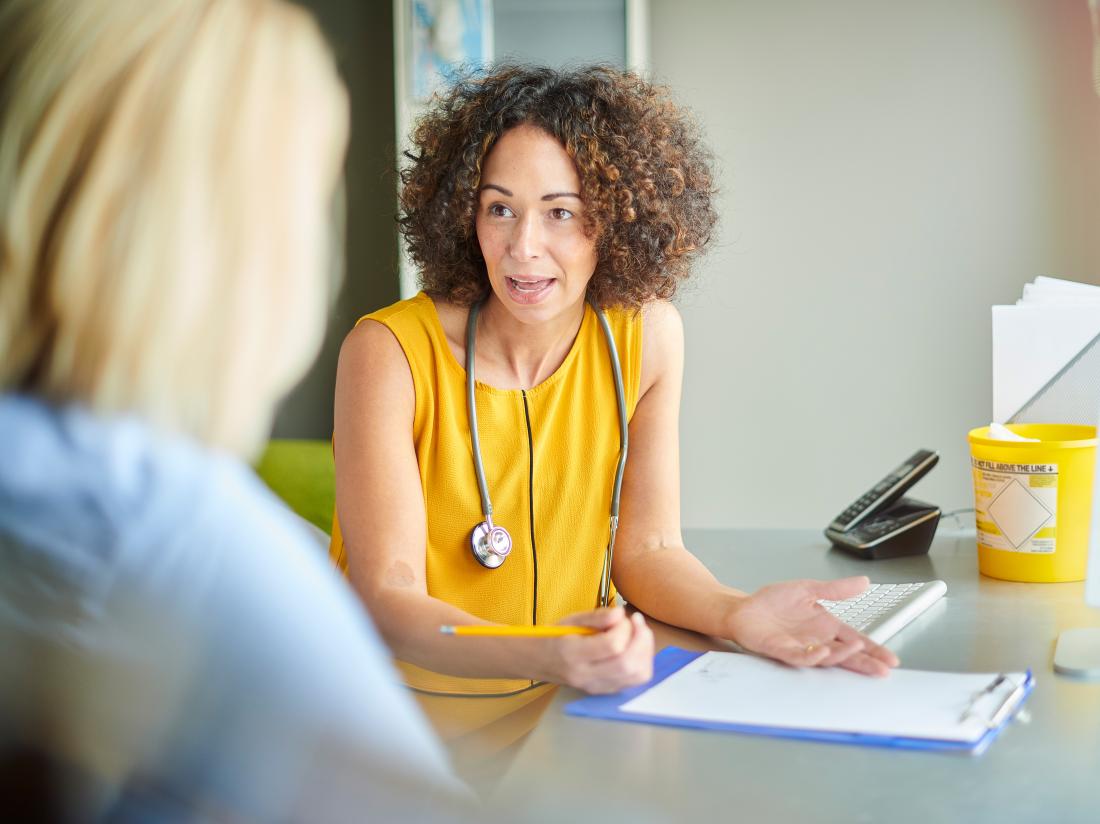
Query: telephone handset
[883, 524]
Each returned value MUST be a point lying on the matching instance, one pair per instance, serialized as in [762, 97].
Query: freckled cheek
[582, 254]
[491, 243]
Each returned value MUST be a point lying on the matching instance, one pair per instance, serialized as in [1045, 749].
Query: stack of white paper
[1046, 355]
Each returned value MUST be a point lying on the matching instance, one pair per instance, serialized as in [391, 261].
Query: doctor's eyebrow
[506, 193]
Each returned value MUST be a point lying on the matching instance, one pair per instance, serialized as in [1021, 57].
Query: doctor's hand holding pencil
[602, 651]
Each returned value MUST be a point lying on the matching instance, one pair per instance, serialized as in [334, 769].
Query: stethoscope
[491, 542]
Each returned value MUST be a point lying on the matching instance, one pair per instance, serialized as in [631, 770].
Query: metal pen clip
[1003, 708]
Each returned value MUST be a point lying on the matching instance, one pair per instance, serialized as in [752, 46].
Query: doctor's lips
[528, 287]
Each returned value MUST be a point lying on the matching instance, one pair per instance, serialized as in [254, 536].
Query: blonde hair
[165, 172]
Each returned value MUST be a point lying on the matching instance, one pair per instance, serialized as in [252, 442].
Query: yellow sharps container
[1032, 501]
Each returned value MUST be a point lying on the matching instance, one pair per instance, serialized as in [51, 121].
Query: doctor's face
[530, 227]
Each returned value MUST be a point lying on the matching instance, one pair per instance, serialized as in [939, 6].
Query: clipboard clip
[1003, 709]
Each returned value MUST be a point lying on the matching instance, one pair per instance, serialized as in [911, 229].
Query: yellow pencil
[540, 631]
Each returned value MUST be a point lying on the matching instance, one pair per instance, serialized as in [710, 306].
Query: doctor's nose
[527, 241]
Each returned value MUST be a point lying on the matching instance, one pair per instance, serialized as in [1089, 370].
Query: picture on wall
[446, 36]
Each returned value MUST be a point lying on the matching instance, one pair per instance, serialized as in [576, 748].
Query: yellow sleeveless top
[549, 455]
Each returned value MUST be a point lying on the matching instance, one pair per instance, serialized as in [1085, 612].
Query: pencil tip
[447, 630]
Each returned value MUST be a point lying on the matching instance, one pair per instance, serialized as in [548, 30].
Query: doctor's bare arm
[655, 572]
[381, 509]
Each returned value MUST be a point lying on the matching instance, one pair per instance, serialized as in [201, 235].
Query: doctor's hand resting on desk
[485, 428]
[785, 622]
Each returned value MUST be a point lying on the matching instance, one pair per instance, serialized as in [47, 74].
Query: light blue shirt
[172, 625]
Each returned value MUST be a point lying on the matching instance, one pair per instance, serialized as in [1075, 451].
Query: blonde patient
[168, 173]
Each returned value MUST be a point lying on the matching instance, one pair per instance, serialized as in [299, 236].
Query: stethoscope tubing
[624, 434]
[471, 411]
[620, 397]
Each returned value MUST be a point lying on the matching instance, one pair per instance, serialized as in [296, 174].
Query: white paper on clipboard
[728, 688]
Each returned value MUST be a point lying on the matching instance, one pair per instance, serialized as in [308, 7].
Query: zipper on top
[531, 506]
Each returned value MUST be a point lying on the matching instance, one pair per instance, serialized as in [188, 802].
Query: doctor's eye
[560, 214]
[500, 210]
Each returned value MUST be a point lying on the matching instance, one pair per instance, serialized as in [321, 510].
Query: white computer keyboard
[883, 609]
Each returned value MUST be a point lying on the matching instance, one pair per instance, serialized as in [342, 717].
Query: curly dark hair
[646, 177]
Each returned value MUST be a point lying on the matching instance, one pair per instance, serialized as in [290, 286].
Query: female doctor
[481, 426]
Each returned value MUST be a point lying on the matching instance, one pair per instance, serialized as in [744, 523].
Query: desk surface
[579, 769]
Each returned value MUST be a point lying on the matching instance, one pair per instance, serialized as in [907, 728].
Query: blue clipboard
[671, 659]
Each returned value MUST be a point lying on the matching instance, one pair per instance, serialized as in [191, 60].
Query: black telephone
[883, 524]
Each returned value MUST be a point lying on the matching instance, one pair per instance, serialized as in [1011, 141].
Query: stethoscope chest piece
[491, 544]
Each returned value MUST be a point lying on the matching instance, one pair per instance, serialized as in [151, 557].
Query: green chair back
[302, 473]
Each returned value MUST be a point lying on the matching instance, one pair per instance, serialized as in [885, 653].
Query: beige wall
[889, 171]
